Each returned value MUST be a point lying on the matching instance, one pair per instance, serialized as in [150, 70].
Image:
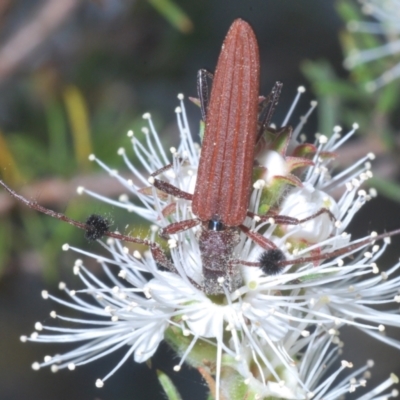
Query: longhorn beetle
[221, 196]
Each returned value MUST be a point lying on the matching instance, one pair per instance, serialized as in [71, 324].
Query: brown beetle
[232, 130]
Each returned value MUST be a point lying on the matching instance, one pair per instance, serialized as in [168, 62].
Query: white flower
[387, 14]
[303, 202]
[275, 331]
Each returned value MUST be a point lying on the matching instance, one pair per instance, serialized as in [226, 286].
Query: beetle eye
[215, 225]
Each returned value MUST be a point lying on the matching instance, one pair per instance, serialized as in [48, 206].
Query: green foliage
[173, 14]
[5, 243]
[168, 386]
[62, 114]
[61, 150]
[387, 188]
[348, 100]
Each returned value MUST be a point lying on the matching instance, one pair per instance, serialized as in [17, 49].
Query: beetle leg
[161, 258]
[168, 188]
[179, 226]
[258, 238]
[203, 90]
[161, 170]
[267, 109]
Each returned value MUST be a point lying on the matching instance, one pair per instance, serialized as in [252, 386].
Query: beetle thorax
[218, 259]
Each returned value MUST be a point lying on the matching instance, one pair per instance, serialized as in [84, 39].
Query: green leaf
[347, 10]
[59, 151]
[173, 14]
[281, 140]
[5, 243]
[272, 192]
[78, 116]
[169, 388]
[320, 73]
[201, 130]
[388, 99]
[387, 188]
[305, 150]
[179, 342]
[298, 162]
[31, 157]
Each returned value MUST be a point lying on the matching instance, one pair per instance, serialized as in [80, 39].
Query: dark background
[126, 59]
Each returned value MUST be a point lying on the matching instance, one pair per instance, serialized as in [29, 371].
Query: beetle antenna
[100, 225]
[273, 261]
[339, 252]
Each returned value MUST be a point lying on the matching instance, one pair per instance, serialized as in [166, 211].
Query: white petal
[148, 343]
[303, 202]
[274, 163]
[207, 321]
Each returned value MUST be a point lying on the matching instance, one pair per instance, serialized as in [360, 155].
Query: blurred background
[76, 75]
